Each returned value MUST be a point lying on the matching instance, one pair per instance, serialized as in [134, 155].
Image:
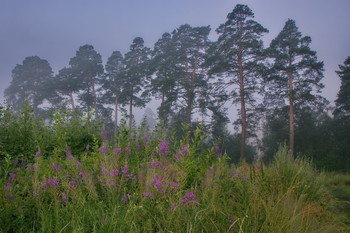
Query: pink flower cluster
[164, 148]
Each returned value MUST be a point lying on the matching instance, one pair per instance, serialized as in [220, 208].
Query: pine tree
[342, 102]
[341, 122]
[296, 75]
[237, 58]
[28, 83]
[192, 83]
[135, 76]
[112, 82]
[67, 85]
[164, 67]
[87, 68]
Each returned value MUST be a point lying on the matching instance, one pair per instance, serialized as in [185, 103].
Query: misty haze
[184, 116]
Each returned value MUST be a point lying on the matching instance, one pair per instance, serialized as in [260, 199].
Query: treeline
[276, 88]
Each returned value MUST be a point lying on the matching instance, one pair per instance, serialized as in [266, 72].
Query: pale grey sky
[54, 30]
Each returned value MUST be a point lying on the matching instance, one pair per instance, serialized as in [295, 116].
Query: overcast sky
[54, 30]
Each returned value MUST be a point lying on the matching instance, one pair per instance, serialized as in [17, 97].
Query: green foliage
[295, 77]
[342, 102]
[111, 88]
[22, 134]
[86, 68]
[317, 136]
[29, 83]
[237, 58]
[71, 130]
[139, 181]
[135, 75]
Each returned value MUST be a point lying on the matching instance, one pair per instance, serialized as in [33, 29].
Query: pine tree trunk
[163, 97]
[161, 112]
[130, 113]
[116, 115]
[243, 110]
[94, 98]
[72, 101]
[291, 112]
[190, 94]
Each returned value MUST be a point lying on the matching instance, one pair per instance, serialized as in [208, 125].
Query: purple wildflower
[131, 176]
[117, 150]
[111, 184]
[64, 197]
[184, 150]
[82, 174]
[127, 150]
[126, 198]
[69, 155]
[217, 149]
[174, 185]
[145, 138]
[155, 163]
[38, 154]
[103, 150]
[12, 177]
[73, 184]
[104, 135]
[23, 163]
[105, 171]
[56, 168]
[177, 156]
[78, 164]
[36, 195]
[172, 207]
[137, 145]
[125, 169]
[164, 148]
[157, 183]
[150, 195]
[10, 197]
[8, 186]
[16, 162]
[114, 172]
[189, 199]
[51, 183]
[238, 174]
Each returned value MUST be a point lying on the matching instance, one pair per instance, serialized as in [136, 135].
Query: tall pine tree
[192, 83]
[342, 102]
[164, 67]
[28, 83]
[87, 68]
[237, 58]
[112, 82]
[135, 76]
[341, 123]
[296, 75]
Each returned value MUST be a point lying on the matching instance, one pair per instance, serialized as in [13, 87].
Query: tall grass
[142, 182]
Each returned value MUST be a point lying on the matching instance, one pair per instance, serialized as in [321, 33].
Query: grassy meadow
[71, 176]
